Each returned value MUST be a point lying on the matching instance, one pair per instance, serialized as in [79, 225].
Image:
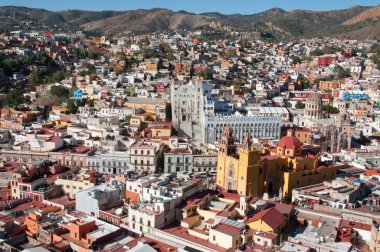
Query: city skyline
[225, 7]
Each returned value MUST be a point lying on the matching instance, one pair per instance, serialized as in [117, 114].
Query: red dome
[289, 142]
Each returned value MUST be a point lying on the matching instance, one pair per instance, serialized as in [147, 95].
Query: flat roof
[99, 233]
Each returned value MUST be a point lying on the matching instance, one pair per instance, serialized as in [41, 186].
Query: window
[140, 228]
[242, 178]
[148, 223]
[213, 237]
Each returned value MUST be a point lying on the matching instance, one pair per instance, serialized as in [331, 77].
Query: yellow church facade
[248, 171]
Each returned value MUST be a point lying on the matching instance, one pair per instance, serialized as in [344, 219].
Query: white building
[269, 112]
[145, 155]
[257, 126]
[157, 207]
[186, 103]
[101, 197]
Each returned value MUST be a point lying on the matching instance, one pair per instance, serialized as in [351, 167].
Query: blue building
[78, 94]
[350, 95]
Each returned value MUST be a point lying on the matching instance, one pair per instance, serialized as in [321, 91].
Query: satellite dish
[119, 211]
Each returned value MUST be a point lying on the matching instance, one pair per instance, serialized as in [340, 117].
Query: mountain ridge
[279, 23]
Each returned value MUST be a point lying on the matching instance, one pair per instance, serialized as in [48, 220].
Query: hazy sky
[197, 6]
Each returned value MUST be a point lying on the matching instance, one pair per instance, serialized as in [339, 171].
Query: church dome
[313, 106]
[289, 142]
[314, 98]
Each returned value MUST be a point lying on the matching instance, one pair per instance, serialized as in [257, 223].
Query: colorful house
[78, 94]
[268, 220]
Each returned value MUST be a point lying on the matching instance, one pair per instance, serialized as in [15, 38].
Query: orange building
[39, 227]
[177, 67]
[151, 67]
[86, 233]
[329, 85]
[278, 171]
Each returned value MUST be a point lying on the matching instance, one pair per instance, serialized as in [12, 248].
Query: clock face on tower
[254, 160]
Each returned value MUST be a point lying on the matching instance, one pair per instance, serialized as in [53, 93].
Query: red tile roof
[227, 229]
[271, 216]
[289, 142]
[231, 196]
[372, 172]
[182, 232]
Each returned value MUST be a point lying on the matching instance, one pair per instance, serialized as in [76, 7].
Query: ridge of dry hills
[358, 22]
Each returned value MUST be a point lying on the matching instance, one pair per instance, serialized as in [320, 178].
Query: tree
[127, 119]
[165, 48]
[90, 102]
[35, 77]
[296, 60]
[58, 76]
[205, 74]
[72, 106]
[10, 65]
[330, 109]
[30, 59]
[300, 105]
[316, 52]
[306, 84]
[59, 91]
[341, 73]
[14, 98]
[46, 60]
[192, 70]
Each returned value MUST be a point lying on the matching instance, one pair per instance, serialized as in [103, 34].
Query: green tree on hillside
[14, 99]
[299, 105]
[206, 74]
